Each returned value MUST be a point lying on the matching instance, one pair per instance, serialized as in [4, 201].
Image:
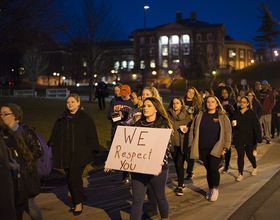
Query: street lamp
[145, 57]
[171, 74]
[252, 61]
[214, 73]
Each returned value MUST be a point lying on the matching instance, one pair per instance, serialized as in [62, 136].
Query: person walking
[74, 143]
[14, 117]
[209, 138]
[275, 115]
[101, 93]
[179, 140]
[267, 99]
[155, 116]
[247, 130]
[193, 105]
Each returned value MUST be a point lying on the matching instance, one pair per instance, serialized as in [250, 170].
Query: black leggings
[211, 164]
[240, 160]
[179, 159]
[139, 183]
[75, 185]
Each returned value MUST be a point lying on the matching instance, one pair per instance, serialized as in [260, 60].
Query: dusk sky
[239, 16]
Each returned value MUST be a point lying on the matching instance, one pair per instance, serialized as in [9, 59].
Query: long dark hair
[248, 100]
[161, 113]
[180, 99]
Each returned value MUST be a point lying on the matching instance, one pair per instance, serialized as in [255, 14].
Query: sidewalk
[108, 199]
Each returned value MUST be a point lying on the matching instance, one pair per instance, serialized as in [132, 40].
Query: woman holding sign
[209, 138]
[179, 141]
[154, 116]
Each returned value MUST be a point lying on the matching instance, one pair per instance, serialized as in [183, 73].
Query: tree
[269, 29]
[95, 30]
[34, 63]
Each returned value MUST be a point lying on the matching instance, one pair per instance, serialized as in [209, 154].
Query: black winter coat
[257, 107]
[74, 140]
[248, 128]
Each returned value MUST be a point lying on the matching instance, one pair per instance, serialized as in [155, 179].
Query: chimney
[178, 16]
[193, 16]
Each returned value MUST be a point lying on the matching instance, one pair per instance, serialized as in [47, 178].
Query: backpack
[44, 163]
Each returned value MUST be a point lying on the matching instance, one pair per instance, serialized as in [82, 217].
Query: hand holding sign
[138, 149]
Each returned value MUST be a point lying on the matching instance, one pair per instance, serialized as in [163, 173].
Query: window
[153, 64]
[231, 53]
[174, 39]
[152, 40]
[142, 41]
[165, 51]
[141, 52]
[241, 53]
[164, 40]
[152, 52]
[186, 39]
[117, 65]
[84, 64]
[165, 64]
[175, 51]
[130, 64]
[142, 64]
[231, 63]
[241, 64]
[186, 50]
[198, 37]
[209, 49]
[124, 64]
[176, 61]
[209, 37]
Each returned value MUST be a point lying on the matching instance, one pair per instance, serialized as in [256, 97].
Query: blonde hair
[197, 103]
[75, 96]
[154, 92]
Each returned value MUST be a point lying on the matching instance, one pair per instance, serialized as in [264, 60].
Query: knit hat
[16, 110]
[264, 82]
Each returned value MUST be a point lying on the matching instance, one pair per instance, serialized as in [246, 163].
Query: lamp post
[145, 57]
[171, 74]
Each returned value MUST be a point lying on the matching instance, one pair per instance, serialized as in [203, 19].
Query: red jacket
[268, 103]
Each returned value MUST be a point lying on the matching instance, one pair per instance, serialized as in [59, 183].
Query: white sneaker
[208, 195]
[239, 178]
[214, 196]
[254, 172]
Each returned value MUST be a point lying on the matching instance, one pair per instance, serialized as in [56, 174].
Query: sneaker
[183, 188]
[254, 172]
[214, 196]
[225, 171]
[125, 181]
[268, 142]
[255, 153]
[208, 195]
[180, 192]
[239, 178]
[190, 176]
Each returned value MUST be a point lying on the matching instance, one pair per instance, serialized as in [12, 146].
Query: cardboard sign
[138, 149]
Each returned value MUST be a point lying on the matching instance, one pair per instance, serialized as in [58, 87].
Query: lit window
[84, 64]
[186, 50]
[174, 39]
[153, 64]
[176, 61]
[130, 64]
[241, 64]
[241, 53]
[198, 37]
[209, 37]
[185, 38]
[152, 52]
[209, 49]
[124, 64]
[164, 51]
[142, 41]
[152, 40]
[165, 64]
[117, 65]
[142, 64]
[164, 40]
[175, 51]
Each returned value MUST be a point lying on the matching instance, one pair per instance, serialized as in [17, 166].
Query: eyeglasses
[5, 114]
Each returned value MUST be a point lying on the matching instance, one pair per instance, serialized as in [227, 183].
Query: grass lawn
[42, 113]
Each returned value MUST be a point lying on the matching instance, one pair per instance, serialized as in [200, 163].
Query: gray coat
[223, 143]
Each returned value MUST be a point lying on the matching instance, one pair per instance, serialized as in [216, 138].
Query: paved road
[256, 197]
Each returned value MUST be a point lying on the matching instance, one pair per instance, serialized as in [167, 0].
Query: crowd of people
[205, 124]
